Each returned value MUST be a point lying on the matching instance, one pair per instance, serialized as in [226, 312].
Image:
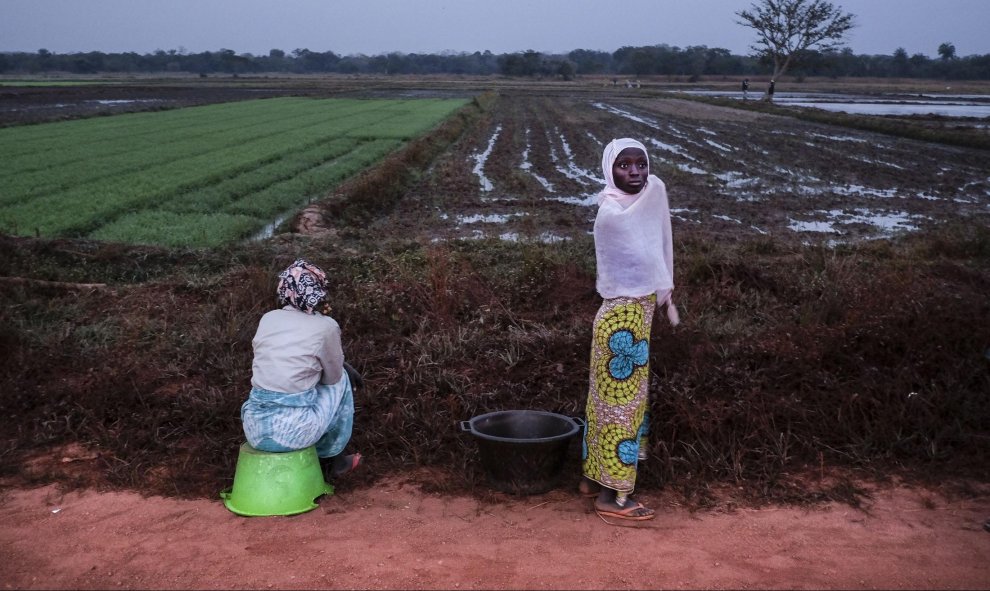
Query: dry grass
[868, 358]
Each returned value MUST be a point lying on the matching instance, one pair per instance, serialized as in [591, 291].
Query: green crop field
[199, 176]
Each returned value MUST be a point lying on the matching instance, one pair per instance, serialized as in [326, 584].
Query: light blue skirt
[322, 416]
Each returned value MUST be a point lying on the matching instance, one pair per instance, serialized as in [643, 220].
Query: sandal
[628, 513]
[342, 465]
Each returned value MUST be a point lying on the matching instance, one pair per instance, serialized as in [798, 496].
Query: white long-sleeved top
[294, 351]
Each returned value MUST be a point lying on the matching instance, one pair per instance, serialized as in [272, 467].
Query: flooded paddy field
[958, 106]
[532, 172]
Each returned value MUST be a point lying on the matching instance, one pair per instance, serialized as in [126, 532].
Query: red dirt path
[396, 536]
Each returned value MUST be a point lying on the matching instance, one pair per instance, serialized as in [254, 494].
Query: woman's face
[630, 169]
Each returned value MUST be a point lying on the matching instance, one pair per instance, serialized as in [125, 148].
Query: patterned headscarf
[302, 285]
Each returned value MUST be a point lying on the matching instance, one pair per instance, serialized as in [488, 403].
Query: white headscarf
[633, 243]
[609, 155]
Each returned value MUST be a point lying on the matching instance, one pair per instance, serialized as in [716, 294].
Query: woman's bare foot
[588, 487]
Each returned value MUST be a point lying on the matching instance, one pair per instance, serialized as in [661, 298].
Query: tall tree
[947, 51]
[901, 61]
[786, 28]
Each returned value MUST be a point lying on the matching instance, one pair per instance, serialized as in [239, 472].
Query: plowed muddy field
[533, 172]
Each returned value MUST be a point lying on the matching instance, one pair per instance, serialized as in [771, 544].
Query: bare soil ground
[528, 172]
[395, 536]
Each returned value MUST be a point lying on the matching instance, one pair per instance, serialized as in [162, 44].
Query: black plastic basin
[523, 451]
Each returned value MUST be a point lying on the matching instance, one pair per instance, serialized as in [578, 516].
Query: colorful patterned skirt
[616, 413]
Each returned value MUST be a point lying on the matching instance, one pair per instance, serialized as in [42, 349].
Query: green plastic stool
[266, 483]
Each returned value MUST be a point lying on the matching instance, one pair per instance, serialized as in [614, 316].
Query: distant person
[745, 88]
[635, 275]
[301, 387]
[770, 90]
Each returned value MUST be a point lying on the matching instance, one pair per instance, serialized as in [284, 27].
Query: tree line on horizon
[655, 60]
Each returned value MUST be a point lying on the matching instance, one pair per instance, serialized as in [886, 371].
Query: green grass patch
[251, 158]
[277, 198]
[178, 229]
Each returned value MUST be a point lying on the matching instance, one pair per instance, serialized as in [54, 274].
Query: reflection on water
[269, 230]
[971, 105]
[882, 108]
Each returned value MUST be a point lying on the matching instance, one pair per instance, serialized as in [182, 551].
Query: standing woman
[635, 268]
[301, 388]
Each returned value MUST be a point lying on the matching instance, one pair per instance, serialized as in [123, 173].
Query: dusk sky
[374, 27]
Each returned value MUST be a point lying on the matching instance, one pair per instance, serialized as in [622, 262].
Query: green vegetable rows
[199, 176]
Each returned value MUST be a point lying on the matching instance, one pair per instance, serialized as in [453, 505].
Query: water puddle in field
[689, 168]
[683, 214]
[481, 158]
[861, 191]
[546, 237]
[947, 105]
[543, 237]
[876, 162]
[719, 146]
[585, 200]
[123, 101]
[881, 108]
[736, 180]
[884, 221]
[527, 166]
[269, 230]
[627, 115]
[495, 218]
[673, 148]
[572, 170]
[838, 138]
[94, 102]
